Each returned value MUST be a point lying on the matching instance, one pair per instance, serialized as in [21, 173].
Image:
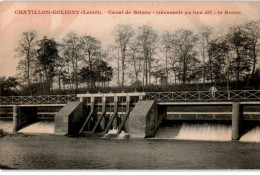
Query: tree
[135, 59]
[8, 85]
[100, 72]
[252, 30]
[88, 76]
[239, 45]
[61, 72]
[147, 38]
[92, 49]
[173, 61]
[47, 55]
[218, 49]
[114, 54]
[72, 51]
[26, 51]
[205, 33]
[166, 40]
[184, 41]
[104, 72]
[123, 35]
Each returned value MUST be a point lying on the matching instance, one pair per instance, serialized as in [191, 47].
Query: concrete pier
[15, 118]
[145, 119]
[236, 115]
[102, 122]
[68, 120]
[126, 125]
[115, 125]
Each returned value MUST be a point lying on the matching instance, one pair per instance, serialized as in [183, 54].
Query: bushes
[43, 89]
[35, 89]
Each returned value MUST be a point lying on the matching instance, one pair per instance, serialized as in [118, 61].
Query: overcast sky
[101, 25]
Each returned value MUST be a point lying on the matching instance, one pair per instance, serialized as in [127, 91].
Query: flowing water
[195, 130]
[201, 131]
[252, 136]
[204, 132]
[6, 126]
[46, 127]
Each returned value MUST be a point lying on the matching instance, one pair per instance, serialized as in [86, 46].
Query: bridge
[185, 96]
[97, 114]
[37, 100]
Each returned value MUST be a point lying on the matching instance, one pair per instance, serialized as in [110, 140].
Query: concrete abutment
[145, 119]
[69, 119]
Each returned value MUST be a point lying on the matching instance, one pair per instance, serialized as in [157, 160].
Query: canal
[58, 152]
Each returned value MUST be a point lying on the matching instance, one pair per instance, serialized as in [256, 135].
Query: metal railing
[43, 99]
[233, 95]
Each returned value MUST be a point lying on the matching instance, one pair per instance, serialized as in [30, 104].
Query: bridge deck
[163, 98]
[208, 103]
[33, 105]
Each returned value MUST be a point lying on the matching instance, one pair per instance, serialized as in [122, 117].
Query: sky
[13, 23]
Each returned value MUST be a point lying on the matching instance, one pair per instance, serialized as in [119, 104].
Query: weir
[209, 121]
[192, 116]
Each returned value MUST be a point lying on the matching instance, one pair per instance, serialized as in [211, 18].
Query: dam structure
[199, 115]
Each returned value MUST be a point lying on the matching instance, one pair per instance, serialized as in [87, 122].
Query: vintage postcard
[129, 85]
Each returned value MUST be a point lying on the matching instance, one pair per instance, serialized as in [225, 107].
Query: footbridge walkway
[185, 96]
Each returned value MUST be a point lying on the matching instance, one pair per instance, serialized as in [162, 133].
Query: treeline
[76, 60]
[141, 57]
[183, 56]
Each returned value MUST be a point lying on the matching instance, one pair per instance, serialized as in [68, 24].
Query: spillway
[46, 127]
[250, 131]
[252, 136]
[215, 131]
[204, 132]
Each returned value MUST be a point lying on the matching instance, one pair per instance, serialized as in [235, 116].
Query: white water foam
[6, 126]
[251, 136]
[123, 135]
[111, 134]
[112, 131]
[39, 127]
[205, 131]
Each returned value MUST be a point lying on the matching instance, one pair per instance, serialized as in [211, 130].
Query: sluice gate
[108, 113]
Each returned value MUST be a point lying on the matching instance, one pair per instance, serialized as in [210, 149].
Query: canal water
[59, 152]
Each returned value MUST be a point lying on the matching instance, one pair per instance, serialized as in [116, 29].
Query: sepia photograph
[129, 85]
